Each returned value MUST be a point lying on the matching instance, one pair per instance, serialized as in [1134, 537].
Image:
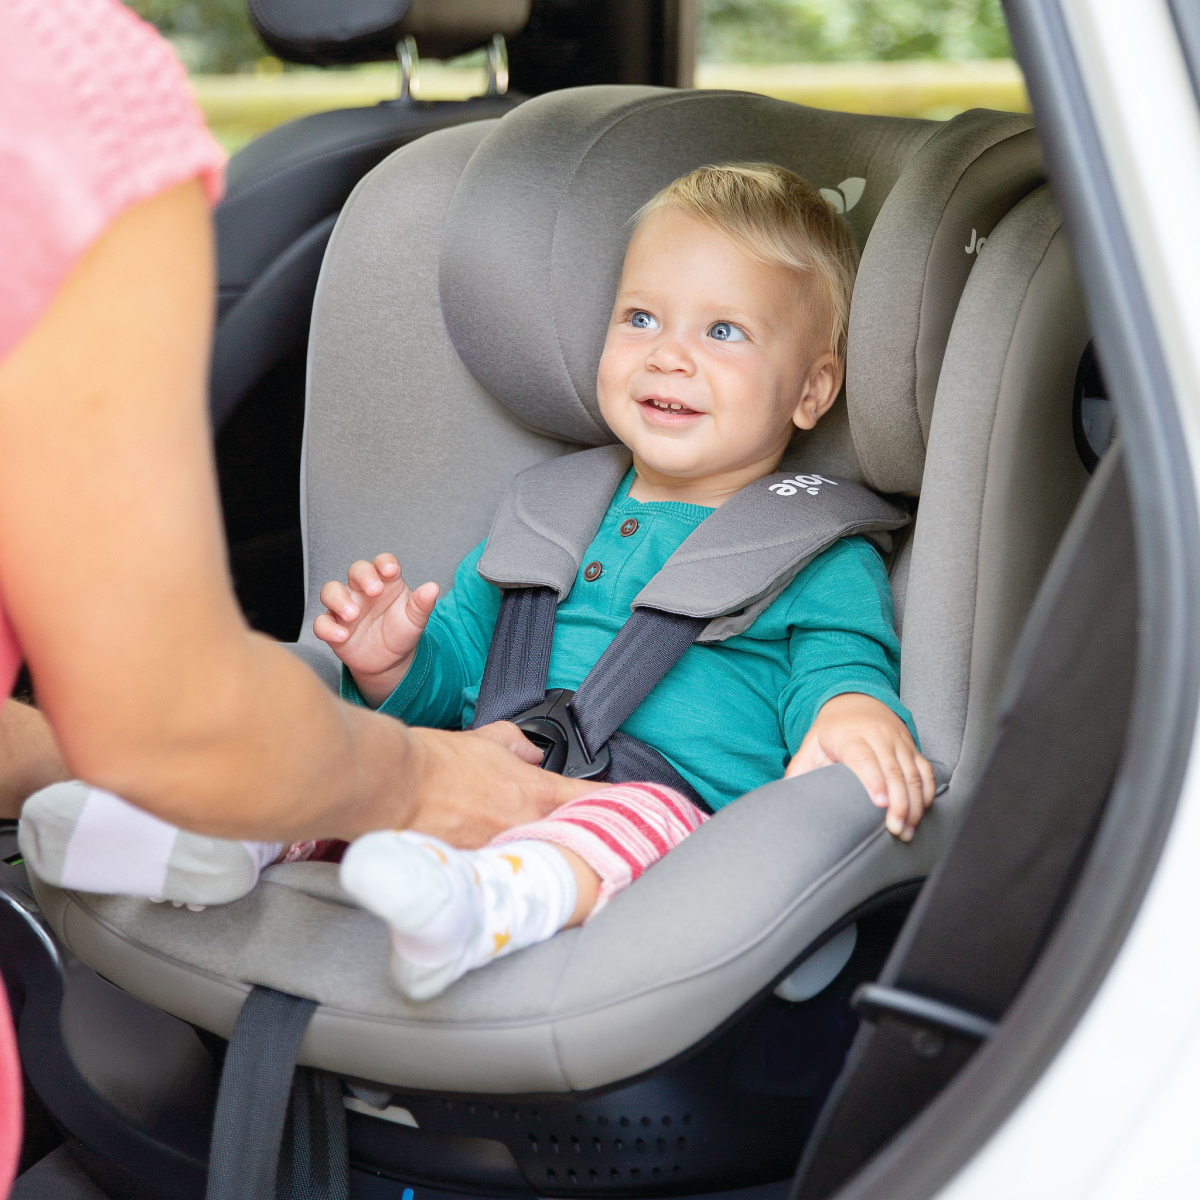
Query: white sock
[88, 840]
[453, 910]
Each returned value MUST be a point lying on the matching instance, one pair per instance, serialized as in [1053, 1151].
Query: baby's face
[709, 354]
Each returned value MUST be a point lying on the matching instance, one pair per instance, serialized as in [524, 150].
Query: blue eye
[643, 320]
[726, 331]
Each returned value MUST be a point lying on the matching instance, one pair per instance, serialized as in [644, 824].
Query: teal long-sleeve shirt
[727, 716]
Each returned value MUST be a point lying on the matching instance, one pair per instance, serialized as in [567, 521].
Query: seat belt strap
[253, 1099]
[518, 661]
[315, 1163]
[983, 917]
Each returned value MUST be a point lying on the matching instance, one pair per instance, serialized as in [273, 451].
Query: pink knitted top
[95, 116]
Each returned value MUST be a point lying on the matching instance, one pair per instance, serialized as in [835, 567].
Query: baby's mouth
[669, 408]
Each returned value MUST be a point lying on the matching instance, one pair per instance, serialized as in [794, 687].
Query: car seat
[283, 194]
[456, 329]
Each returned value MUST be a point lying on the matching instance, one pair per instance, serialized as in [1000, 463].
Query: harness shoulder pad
[733, 565]
[548, 518]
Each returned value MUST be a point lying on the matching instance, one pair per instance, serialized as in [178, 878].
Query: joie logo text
[806, 483]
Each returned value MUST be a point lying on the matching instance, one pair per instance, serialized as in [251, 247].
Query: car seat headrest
[536, 231]
[328, 32]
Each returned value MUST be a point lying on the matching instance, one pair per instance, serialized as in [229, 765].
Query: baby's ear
[820, 390]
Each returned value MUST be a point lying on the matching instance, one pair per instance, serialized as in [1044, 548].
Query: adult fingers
[506, 734]
[337, 598]
[363, 577]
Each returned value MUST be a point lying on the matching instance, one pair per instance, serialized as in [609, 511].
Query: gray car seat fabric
[636, 986]
[1002, 477]
[452, 346]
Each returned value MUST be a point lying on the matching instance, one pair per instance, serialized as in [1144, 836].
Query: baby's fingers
[420, 604]
[364, 577]
[328, 629]
[337, 598]
[388, 567]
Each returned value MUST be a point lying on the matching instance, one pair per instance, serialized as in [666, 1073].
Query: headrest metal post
[410, 61]
[497, 66]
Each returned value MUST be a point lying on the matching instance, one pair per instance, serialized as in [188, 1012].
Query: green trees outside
[211, 36]
[851, 30]
[215, 36]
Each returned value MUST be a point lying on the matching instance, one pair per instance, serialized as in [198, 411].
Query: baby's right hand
[374, 622]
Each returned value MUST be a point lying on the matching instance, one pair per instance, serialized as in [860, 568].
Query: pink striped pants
[618, 831]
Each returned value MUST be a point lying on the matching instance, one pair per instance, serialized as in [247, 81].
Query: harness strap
[252, 1104]
[646, 647]
[518, 661]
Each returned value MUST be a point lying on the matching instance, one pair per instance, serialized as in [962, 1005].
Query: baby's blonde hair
[778, 219]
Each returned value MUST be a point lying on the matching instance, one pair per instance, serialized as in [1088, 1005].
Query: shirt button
[629, 526]
[592, 571]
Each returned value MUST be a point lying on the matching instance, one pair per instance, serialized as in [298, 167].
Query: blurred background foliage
[211, 36]
[216, 37]
[851, 30]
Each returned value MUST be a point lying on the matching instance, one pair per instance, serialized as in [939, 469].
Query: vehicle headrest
[536, 231]
[328, 32]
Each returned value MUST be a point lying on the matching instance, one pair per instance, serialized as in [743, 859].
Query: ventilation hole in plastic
[646, 1122]
[593, 1174]
[676, 1170]
[640, 1145]
[550, 1173]
[580, 1119]
[535, 1116]
[598, 1144]
[656, 1172]
[614, 1174]
[625, 1122]
[553, 1144]
[601, 1120]
[635, 1174]
[667, 1122]
[516, 1114]
[571, 1175]
[495, 1112]
[687, 1118]
[533, 1142]
[618, 1144]
[449, 1104]
[661, 1145]
[575, 1145]
[682, 1143]
[471, 1109]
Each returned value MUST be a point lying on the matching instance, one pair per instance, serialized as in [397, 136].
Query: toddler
[728, 332]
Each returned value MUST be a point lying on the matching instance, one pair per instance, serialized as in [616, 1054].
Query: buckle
[551, 726]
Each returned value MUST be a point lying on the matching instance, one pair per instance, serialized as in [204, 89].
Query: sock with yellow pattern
[453, 910]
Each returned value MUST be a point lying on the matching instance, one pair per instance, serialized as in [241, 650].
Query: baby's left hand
[875, 744]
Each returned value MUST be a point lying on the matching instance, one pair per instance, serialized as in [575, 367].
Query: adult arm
[116, 581]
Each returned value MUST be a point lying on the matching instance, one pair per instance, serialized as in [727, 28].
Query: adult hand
[474, 785]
